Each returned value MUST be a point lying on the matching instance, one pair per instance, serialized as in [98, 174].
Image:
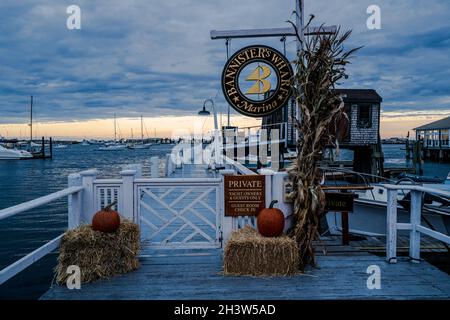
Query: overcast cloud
[156, 58]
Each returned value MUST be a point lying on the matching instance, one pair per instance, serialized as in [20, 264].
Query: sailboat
[115, 146]
[140, 145]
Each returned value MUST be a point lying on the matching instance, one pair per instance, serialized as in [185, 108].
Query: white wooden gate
[179, 213]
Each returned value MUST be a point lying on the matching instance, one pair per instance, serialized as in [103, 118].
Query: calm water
[26, 180]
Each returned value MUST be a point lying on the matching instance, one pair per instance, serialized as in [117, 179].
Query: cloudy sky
[156, 58]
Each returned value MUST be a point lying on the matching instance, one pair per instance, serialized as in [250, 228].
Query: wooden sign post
[341, 202]
[244, 195]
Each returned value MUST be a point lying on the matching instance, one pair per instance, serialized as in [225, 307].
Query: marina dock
[198, 275]
[186, 269]
[248, 153]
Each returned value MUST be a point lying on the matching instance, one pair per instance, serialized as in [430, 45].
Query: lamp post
[205, 112]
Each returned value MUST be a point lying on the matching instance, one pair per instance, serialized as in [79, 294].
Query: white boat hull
[139, 146]
[369, 218]
[113, 148]
[13, 154]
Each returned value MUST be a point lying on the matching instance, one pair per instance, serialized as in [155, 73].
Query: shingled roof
[360, 95]
[436, 125]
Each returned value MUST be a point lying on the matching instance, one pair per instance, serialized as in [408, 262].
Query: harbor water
[22, 181]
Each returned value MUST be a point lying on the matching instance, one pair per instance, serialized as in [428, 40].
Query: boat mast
[142, 130]
[31, 120]
[115, 132]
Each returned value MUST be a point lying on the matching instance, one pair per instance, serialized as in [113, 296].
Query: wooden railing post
[268, 173]
[391, 239]
[414, 240]
[128, 195]
[88, 206]
[135, 166]
[74, 201]
[227, 222]
[275, 149]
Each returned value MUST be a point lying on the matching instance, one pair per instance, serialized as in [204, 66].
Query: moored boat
[14, 154]
[113, 147]
[142, 144]
[370, 206]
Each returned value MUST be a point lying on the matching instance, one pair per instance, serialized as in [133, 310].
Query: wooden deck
[187, 275]
[197, 274]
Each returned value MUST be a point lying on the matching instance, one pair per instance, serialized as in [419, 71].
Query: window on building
[436, 138]
[364, 116]
[445, 138]
[420, 135]
[429, 140]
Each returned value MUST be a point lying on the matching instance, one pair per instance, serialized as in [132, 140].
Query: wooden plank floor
[179, 275]
[333, 244]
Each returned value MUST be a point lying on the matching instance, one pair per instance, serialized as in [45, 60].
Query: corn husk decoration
[319, 67]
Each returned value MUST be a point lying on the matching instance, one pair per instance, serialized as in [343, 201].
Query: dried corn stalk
[318, 69]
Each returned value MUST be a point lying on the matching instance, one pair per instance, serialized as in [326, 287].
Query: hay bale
[99, 255]
[249, 253]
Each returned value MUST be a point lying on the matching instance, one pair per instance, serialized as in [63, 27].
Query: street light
[205, 112]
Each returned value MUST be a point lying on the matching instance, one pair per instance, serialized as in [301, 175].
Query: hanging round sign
[256, 81]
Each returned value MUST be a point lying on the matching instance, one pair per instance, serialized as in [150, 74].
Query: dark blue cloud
[155, 57]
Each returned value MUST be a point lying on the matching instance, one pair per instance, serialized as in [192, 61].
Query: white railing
[234, 165]
[414, 226]
[87, 194]
[74, 194]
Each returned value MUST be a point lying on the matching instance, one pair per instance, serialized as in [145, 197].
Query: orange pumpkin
[270, 221]
[106, 220]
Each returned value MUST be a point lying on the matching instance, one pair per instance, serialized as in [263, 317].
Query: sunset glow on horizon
[161, 127]
[392, 125]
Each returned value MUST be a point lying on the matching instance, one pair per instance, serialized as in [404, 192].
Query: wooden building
[359, 130]
[362, 108]
[435, 138]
